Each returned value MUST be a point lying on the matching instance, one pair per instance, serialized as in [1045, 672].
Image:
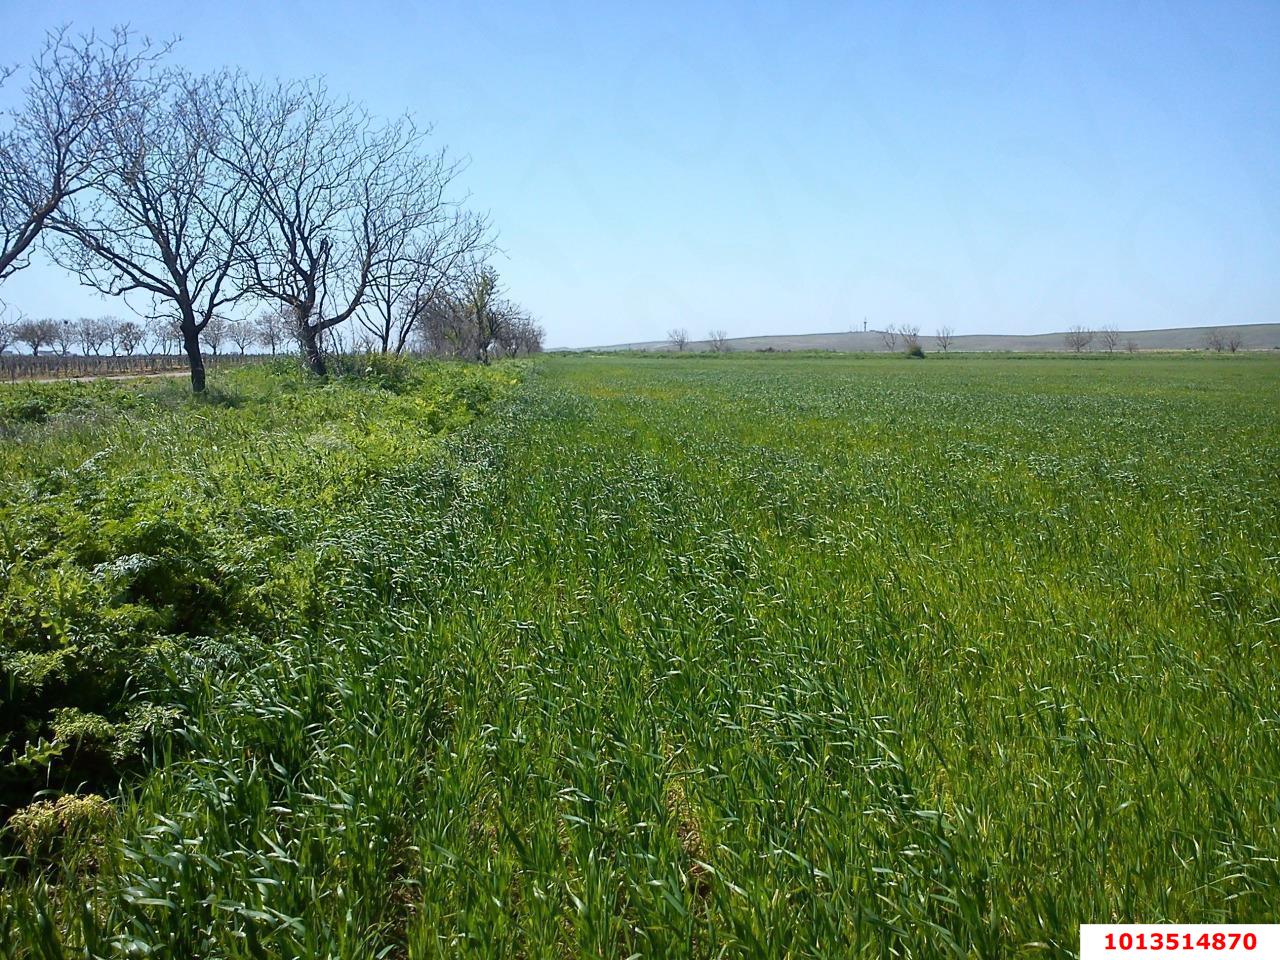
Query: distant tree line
[207, 194]
[1079, 339]
[1219, 341]
[906, 337]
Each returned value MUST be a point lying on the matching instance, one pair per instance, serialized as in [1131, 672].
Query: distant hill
[1252, 336]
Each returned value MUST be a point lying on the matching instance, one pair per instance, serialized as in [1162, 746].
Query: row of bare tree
[203, 194]
[717, 340]
[1078, 339]
[1219, 340]
[90, 336]
[909, 334]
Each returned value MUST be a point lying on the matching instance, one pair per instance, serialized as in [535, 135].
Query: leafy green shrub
[387, 371]
[37, 403]
[70, 819]
[169, 523]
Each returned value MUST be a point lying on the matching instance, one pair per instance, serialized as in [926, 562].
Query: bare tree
[64, 337]
[59, 136]
[153, 335]
[36, 334]
[889, 336]
[679, 337]
[166, 219]
[92, 335]
[910, 337]
[486, 310]
[492, 324]
[129, 336]
[333, 341]
[517, 334]
[444, 329]
[273, 329]
[242, 334]
[164, 334]
[1110, 337]
[945, 336]
[215, 333]
[439, 262]
[1215, 340]
[111, 334]
[1234, 341]
[9, 327]
[526, 337]
[718, 340]
[1131, 345]
[426, 247]
[1078, 338]
[337, 191]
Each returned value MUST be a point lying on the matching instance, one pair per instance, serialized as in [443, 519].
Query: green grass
[139, 525]
[751, 656]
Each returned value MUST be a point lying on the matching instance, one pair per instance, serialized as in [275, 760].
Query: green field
[706, 656]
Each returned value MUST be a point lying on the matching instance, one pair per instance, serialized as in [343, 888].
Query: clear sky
[796, 167]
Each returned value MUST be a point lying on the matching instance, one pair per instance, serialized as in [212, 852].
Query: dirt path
[100, 376]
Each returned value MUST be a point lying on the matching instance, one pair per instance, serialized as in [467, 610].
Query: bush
[128, 542]
[38, 403]
[388, 371]
[45, 825]
[915, 350]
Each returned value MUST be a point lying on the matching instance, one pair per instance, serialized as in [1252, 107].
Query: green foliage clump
[71, 819]
[387, 371]
[139, 523]
[37, 403]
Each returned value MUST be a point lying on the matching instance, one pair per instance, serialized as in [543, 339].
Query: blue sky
[793, 167]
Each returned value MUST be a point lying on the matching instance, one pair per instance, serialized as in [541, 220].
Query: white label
[1112, 941]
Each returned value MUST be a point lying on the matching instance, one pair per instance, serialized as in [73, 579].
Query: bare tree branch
[59, 138]
[166, 217]
[1078, 338]
[338, 192]
[1110, 337]
[417, 272]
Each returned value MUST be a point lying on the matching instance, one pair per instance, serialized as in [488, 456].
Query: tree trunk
[191, 343]
[311, 348]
